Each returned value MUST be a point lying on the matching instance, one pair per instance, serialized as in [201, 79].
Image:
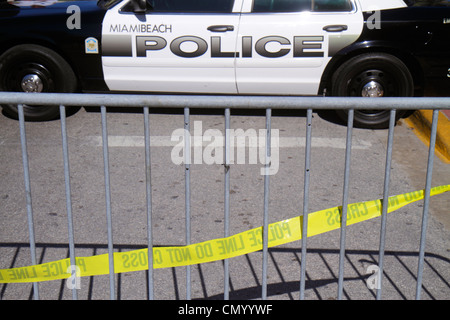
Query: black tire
[387, 72]
[54, 76]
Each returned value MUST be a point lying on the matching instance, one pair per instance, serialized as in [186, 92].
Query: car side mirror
[140, 6]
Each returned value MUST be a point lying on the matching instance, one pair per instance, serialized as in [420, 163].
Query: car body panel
[262, 54]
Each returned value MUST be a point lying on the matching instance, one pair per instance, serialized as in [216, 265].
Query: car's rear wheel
[372, 75]
[33, 68]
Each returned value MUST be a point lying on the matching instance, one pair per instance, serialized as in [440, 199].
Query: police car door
[176, 46]
[286, 44]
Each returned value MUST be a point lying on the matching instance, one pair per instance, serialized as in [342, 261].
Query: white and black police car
[369, 48]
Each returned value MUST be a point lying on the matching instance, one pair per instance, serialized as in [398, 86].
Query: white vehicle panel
[304, 50]
[224, 53]
[174, 54]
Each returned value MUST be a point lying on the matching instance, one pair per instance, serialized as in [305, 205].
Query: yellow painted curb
[421, 122]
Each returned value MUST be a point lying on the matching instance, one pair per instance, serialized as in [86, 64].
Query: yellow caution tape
[218, 249]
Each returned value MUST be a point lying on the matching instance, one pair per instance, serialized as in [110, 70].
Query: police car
[369, 48]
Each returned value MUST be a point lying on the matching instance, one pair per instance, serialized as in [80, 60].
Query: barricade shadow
[317, 288]
[352, 258]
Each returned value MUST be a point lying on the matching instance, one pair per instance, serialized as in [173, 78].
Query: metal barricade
[227, 103]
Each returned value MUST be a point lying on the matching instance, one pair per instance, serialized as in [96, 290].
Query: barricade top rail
[218, 102]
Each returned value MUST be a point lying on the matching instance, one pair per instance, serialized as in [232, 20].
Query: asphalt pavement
[127, 159]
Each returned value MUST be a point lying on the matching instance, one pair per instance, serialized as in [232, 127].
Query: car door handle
[335, 28]
[220, 28]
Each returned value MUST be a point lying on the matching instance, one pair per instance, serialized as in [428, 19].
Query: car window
[302, 5]
[428, 3]
[212, 6]
[332, 5]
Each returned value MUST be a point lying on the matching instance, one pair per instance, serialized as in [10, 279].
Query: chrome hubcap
[372, 90]
[32, 83]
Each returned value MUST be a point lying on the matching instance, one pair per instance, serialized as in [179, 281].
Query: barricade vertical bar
[266, 203]
[345, 203]
[148, 177]
[426, 203]
[187, 161]
[387, 175]
[108, 203]
[305, 203]
[226, 294]
[26, 173]
[62, 112]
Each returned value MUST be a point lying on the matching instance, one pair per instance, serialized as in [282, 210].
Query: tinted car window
[428, 3]
[332, 5]
[281, 5]
[192, 5]
[302, 5]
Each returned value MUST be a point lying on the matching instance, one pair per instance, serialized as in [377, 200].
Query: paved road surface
[286, 198]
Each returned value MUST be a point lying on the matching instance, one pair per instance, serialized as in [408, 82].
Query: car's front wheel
[372, 75]
[34, 68]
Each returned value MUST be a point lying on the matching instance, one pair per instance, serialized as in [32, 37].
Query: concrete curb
[420, 123]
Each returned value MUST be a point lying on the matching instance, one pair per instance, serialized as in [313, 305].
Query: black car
[370, 48]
